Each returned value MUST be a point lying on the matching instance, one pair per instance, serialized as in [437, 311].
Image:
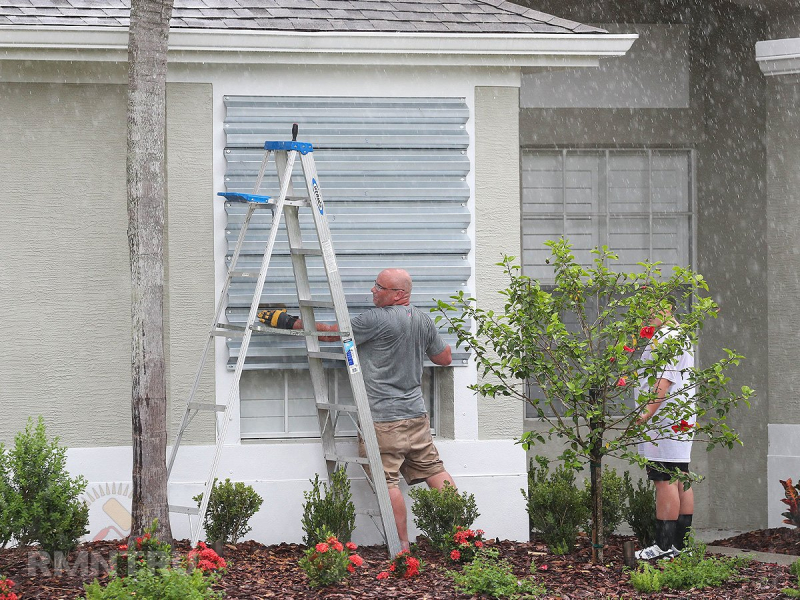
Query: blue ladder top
[237, 197]
[301, 147]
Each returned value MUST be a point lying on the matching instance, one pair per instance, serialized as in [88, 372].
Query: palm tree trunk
[147, 76]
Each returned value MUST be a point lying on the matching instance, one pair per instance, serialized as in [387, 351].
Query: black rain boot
[665, 533]
[684, 523]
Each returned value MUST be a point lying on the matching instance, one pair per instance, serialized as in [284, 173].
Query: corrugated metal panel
[393, 175]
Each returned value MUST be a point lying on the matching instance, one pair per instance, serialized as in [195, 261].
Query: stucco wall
[66, 279]
[731, 243]
[497, 226]
[725, 122]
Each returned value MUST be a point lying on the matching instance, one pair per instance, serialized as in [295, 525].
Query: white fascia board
[779, 57]
[237, 46]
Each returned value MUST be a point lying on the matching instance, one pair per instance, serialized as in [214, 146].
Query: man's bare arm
[444, 358]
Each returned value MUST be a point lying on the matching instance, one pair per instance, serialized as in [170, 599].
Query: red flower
[383, 575]
[351, 546]
[455, 555]
[123, 547]
[479, 544]
[322, 548]
[683, 427]
[627, 349]
[543, 567]
[351, 568]
[647, 332]
[356, 560]
[621, 382]
[337, 545]
[391, 567]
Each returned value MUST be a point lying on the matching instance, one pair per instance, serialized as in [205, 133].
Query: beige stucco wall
[65, 273]
[497, 226]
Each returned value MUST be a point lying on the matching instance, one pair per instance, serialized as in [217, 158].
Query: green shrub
[43, 504]
[689, 570]
[614, 497]
[640, 509]
[6, 493]
[795, 570]
[230, 507]
[161, 584]
[333, 511]
[438, 512]
[647, 579]
[489, 576]
[556, 507]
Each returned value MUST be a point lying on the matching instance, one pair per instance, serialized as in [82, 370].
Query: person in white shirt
[674, 505]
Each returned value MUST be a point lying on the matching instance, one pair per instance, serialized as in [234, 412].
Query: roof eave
[779, 57]
[248, 46]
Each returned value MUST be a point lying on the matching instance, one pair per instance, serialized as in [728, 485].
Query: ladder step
[347, 459]
[317, 303]
[327, 355]
[206, 406]
[340, 407]
[186, 510]
[306, 251]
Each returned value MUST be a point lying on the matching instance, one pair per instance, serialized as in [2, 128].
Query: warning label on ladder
[351, 355]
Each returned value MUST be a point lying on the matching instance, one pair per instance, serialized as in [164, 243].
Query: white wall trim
[779, 57]
[227, 46]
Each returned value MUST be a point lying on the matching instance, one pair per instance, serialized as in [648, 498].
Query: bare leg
[668, 501]
[438, 480]
[400, 518]
[686, 498]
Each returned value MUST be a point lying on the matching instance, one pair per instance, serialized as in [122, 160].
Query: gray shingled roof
[431, 16]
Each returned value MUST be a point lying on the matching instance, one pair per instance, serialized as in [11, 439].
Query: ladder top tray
[238, 197]
[301, 147]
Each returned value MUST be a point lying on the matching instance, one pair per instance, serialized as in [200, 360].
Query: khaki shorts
[406, 448]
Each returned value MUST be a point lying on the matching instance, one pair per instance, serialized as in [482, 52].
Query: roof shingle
[486, 16]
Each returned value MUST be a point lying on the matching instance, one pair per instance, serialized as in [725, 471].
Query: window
[393, 175]
[639, 203]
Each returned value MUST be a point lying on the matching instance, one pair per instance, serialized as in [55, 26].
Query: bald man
[393, 339]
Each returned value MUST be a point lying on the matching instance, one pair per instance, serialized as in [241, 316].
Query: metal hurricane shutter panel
[393, 173]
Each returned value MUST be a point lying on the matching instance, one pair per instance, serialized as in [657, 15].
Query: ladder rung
[306, 251]
[342, 407]
[186, 510]
[317, 303]
[206, 406]
[258, 328]
[348, 459]
[248, 274]
[327, 355]
[300, 201]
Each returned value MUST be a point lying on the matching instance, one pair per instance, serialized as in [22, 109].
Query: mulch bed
[258, 571]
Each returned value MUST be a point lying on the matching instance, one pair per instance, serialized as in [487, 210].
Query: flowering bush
[144, 569]
[148, 552]
[5, 589]
[404, 565]
[330, 561]
[464, 544]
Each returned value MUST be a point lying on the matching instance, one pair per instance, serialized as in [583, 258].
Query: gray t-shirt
[392, 343]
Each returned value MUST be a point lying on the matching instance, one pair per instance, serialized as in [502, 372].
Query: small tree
[584, 374]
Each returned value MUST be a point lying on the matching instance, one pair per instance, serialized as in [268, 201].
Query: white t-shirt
[677, 447]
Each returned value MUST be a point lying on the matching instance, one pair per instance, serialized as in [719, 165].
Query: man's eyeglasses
[380, 288]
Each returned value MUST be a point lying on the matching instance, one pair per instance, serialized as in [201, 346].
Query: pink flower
[621, 382]
[647, 332]
[455, 555]
[383, 575]
[351, 546]
[322, 548]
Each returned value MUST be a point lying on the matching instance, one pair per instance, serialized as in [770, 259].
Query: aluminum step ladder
[287, 205]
